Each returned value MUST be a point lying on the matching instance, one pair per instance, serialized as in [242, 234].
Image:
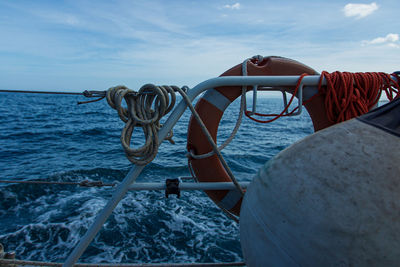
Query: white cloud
[394, 45]
[392, 40]
[234, 6]
[359, 10]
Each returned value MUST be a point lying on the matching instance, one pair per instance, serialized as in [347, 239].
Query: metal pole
[103, 215]
[189, 186]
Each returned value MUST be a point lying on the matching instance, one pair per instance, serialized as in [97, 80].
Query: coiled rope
[348, 95]
[144, 109]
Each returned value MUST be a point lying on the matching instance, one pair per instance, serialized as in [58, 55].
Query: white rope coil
[144, 109]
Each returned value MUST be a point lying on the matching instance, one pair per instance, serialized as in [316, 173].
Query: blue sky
[79, 45]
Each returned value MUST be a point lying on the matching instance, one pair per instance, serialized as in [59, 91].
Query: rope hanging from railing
[191, 154]
[143, 109]
[284, 112]
[347, 95]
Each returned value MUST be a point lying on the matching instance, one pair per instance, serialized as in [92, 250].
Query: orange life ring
[211, 107]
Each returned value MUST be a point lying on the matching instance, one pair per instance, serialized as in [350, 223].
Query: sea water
[51, 138]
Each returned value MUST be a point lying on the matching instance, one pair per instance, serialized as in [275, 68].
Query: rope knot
[87, 93]
[143, 109]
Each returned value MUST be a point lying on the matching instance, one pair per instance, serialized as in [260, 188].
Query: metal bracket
[299, 96]
[253, 108]
[172, 187]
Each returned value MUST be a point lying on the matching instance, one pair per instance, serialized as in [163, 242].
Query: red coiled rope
[347, 95]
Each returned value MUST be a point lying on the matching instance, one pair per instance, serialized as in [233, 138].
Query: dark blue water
[51, 138]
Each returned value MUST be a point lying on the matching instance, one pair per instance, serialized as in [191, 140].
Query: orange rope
[277, 116]
[348, 95]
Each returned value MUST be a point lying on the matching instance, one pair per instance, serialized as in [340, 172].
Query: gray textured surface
[331, 199]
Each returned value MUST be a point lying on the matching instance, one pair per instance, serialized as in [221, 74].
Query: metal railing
[308, 88]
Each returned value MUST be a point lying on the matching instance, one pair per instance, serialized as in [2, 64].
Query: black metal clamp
[172, 187]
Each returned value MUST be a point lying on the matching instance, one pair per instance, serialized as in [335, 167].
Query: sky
[93, 45]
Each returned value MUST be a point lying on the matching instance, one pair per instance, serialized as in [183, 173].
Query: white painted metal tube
[188, 186]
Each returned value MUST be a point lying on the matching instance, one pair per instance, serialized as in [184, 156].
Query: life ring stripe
[230, 199]
[216, 99]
